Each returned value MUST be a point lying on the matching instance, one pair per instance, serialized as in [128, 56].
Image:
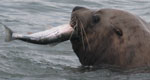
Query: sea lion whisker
[74, 27]
[86, 37]
[72, 32]
[71, 35]
[82, 38]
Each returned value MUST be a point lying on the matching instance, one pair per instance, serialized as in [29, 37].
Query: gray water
[24, 61]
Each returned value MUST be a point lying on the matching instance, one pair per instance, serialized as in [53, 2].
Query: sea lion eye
[118, 31]
[96, 18]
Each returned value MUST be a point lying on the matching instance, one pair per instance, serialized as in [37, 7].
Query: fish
[54, 35]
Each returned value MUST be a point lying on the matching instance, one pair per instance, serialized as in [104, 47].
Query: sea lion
[100, 37]
[110, 36]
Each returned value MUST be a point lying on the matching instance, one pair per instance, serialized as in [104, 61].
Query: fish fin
[8, 34]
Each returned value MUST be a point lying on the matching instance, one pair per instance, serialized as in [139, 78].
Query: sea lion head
[105, 36]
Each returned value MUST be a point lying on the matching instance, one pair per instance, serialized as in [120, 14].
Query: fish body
[54, 35]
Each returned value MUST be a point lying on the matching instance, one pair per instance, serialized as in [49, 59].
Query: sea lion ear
[118, 31]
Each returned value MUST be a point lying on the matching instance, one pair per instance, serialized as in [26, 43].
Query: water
[24, 61]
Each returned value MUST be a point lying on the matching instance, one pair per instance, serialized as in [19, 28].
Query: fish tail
[8, 34]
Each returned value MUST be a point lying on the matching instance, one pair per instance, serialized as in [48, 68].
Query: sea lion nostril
[73, 23]
[77, 8]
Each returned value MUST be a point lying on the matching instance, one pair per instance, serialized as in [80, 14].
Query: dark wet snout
[77, 8]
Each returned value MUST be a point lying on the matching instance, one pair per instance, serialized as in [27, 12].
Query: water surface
[24, 61]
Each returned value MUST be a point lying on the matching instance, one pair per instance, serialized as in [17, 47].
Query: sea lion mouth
[76, 24]
[79, 30]
[79, 20]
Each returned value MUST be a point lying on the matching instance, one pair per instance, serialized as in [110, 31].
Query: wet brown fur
[130, 50]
